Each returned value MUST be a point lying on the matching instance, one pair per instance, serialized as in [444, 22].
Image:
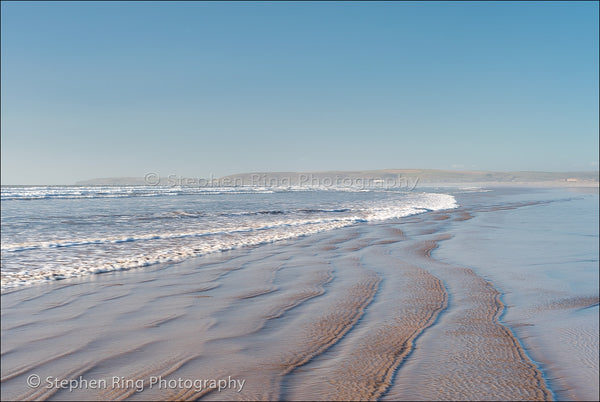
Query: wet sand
[543, 258]
[362, 313]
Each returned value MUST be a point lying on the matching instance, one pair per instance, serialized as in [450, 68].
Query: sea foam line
[214, 241]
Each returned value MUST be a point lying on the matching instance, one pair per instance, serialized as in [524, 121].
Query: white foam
[86, 192]
[97, 255]
[78, 192]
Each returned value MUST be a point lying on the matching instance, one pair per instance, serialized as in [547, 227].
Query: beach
[300, 200]
[467, 302]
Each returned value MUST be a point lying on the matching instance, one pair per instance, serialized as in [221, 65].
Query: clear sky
[197, 88]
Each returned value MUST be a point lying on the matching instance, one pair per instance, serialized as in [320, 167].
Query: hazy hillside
[388, 177]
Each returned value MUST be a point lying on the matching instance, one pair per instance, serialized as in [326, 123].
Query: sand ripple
[361, 313]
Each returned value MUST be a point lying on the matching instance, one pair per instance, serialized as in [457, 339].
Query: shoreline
[307, 318]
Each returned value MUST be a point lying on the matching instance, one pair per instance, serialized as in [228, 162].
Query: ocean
[54, 233]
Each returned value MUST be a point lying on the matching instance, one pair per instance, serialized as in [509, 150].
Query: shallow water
[544, 259]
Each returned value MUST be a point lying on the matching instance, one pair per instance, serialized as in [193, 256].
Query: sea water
[58, 232]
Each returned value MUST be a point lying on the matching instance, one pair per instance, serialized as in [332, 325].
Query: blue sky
[197, 88]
